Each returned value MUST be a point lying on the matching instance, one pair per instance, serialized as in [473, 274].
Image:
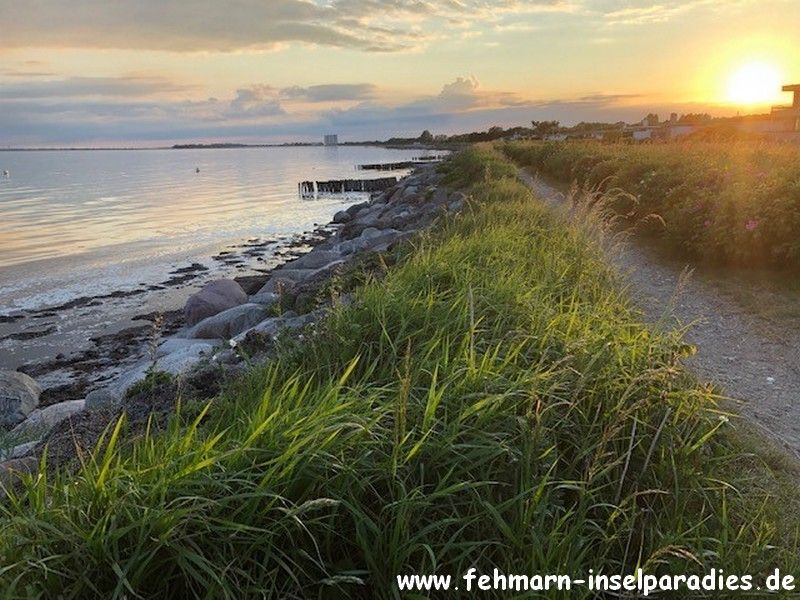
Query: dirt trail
[755, 357]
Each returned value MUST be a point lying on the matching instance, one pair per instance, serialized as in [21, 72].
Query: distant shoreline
[226, 146]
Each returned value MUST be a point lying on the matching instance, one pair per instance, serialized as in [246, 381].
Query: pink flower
[751, 224]
[707, 223]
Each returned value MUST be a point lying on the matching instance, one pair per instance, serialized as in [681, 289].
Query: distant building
[668, 130]
[331, 140]
[787, 118]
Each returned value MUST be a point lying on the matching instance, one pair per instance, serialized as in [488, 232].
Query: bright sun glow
[755, 83]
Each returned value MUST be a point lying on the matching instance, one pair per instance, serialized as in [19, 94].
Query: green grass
[725, 203]
[492, 401]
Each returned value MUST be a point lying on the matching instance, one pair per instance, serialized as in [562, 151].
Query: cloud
[255, 101]
[332, 92]
[644, 14]
[262, 113]
[26, 74]
[465, 93]
[463, 86]
[210, 25]
[75, 87]
[263, 100]
[595, 100]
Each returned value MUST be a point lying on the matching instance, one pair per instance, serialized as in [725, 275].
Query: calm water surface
[85, 223]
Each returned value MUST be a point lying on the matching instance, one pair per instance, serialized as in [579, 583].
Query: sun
[755, 83]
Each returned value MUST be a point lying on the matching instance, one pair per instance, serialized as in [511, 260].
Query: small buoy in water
[197, 169]
[6, 174]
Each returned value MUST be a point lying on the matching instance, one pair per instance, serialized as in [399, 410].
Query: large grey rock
[285, 280]
[342, 217]
[366, 217]
[182, 361]
[175, 344]
[409, 191]
[213, 298]
[267, 327]
[178, 362]
[226, 357]
[371, 240]
[271, 327]
[397, 216]
[130, 376]
[12, 470]
[440, 196]
[370, 232]
[455, 206]
[395, 195]
[264, 298]
[102, 399]
[276, 285]
[315, 259]
[19, 395]
[369, 217]
[228, 323]
[352, 210]
[19, 450]
[42, 420]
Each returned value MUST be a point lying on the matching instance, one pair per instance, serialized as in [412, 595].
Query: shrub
[735, 203]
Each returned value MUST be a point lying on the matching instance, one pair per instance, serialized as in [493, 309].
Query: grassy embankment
[490, 401]
[733, 203]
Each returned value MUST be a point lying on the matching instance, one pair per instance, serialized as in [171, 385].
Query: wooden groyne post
[309, 189]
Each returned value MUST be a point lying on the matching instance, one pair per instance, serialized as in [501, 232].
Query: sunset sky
[112, 72]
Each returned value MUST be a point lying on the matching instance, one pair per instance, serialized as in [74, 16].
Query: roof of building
[792, 88]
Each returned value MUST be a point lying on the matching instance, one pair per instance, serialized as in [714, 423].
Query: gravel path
[754, 358]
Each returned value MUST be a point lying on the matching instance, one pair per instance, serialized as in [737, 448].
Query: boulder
[225, 325]
[19, 396]
[277, 285]
[395, 196]
[175, 363]
[397, 216]
[264, 298]
[409, 191]
[271, 327]
[102, 399]
[307, 295]
[371, 240]
[352, 210]
[131, 376]
[367, 217]
[19, 450]
[182, 361]
[455, 206]
[315, 259]
[251, 283]
[226, 357]
[42, 420]
[215, 297]
[285, 279]
[175, 344]
[267, 327]
[342, 217]
[370, 232]
[440, 196]
[457, 197]
[12, 470]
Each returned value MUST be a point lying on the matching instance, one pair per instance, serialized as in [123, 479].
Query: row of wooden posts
[343, 186]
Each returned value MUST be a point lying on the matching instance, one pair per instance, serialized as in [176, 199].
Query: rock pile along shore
[226, 329]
